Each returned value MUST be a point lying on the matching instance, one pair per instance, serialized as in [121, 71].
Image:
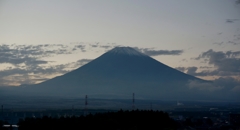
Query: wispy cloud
[181, 68]
[226, 84]
[193, 84]
[233, 42]
[162, 52]
[193, 71]
[34, 74]
[231, 20]
[29, 61]
[237, 1]
[153, 52]
[30, 54]
[218, 43]
[80, 47]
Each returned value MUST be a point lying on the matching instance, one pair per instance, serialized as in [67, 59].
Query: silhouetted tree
[209, 121]
[188, 122]
[3, 123]
[137, 119]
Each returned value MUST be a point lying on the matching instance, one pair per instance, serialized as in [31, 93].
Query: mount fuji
[117, 74]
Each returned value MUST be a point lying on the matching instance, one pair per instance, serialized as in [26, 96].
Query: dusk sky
[47, 38]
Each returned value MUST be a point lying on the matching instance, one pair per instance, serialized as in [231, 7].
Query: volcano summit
[117, 74]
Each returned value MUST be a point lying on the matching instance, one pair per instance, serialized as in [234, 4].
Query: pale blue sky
[193, 26]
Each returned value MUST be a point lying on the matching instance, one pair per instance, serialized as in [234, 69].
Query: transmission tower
[86, 103]
[72, 110]
[2, 110]
[133, 101]
[151, 106]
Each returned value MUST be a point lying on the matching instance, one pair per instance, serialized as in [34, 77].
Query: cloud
[225, 84]
[28, 64]
[30, 54]
[106, 47]
[191, 70]
[184, 60]
[29, 61]
[193, 84]
[233, 42]
[80, 47]
[218, 43]
[237, 1]
[181, 68]
[94, 45]
[216, 73]
[33, 74]
[231, 20]
[223, 87]
[162, 52]
[205, 67]
[224, 62]
[15, 80]
[13, 59]
[227, 61]
[236, 89]
[58, 69]
[228, 84]
[152, 52]
[83, 62]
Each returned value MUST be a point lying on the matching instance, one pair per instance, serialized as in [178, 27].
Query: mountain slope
[118, 73]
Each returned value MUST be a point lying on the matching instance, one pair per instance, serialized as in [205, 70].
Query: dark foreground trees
[121, 120]
[1, 124]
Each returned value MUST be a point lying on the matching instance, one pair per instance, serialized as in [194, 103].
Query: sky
[43, 39]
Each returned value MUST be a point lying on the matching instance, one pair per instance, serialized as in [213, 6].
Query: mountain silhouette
[117, 74]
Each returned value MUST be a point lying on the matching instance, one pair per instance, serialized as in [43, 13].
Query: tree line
[121, 120]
